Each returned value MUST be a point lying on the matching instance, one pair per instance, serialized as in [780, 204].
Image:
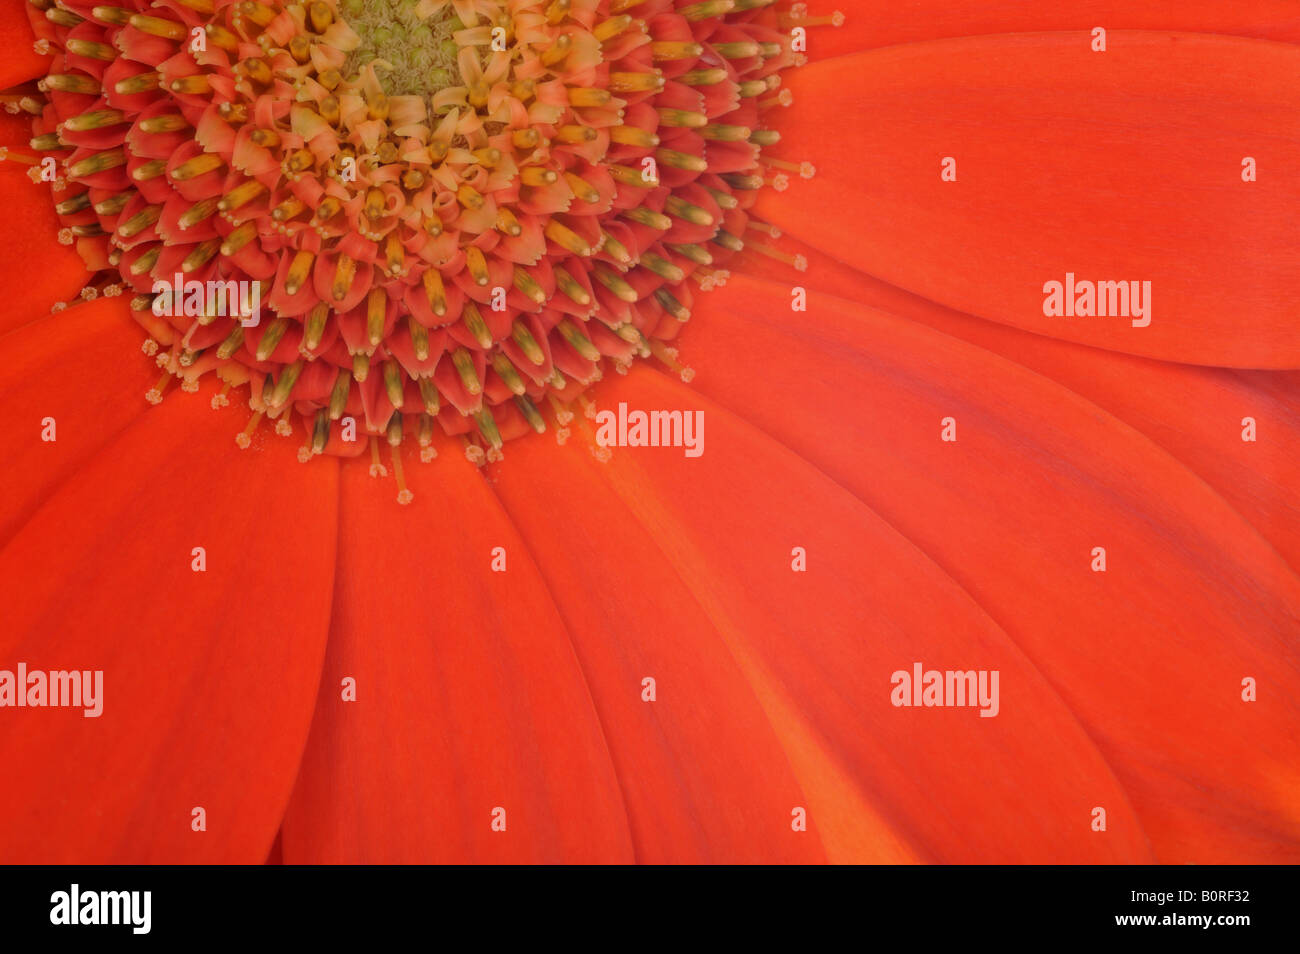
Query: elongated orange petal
[36, 269]
[468, 695]
[876, 23]
[1197, 414]
[20, 61]
[704, 775]
[208, 677]
[816, 650]
[82, 370]
[1117, 166]
[1150, 654]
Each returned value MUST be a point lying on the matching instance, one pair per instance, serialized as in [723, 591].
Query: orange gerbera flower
[995, 337]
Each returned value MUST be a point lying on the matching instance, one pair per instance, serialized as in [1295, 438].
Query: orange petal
[1151, 654]
[876, 23]
[37, 271]
[637, 549]
[1156, 397]
[208, 677]
[83, 369]
[704, 776]
[468, 695]
[20, 61]
[1116, 166]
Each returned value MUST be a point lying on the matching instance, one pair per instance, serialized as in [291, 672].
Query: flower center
[451, 214]
[416, 50]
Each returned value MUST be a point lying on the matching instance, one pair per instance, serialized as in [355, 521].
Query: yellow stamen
[98, 119]
[644, 216]
[198, 212]
[476, 265]
[583, 189]
[578, 134]
[90, 49]
[157, 26]
[345, 270]
[339, 394]
[707, 77]
[616, 284]
[234, 341]
[682, 118]
[633, 136]
[433, 289]
[393, 382]
[527, 343]
[203, 253]
[530, 413]
[168, 122]
[570, 286]
[299, 269]
[669, 50]
[487, 426]
[579, 98]
[429, 395]
[314, 328]
[140, 221]
[507, 222]
[196, 85]
[376, 315]
[464, 365]
[284, 384]
[238, 238]
[575, 336]
[140, 83]
[199, 165]
[528, 285]
[537, 176]
[73, 83]
[99, 162]
[682, 209]
[565, 237]
[241, 195]
[501, 364]
[419, 338]
[394, 253]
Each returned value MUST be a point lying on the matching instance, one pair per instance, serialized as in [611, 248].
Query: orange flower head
[452, 211]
